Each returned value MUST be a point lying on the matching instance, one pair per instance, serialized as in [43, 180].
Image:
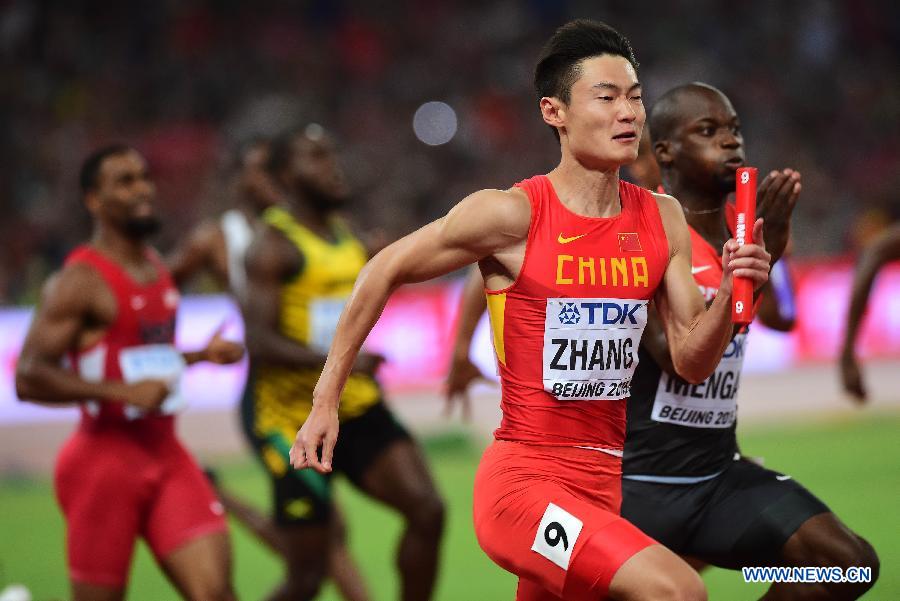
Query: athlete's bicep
[678, 300]
[267, 266]
[59, 317]
[479, 226]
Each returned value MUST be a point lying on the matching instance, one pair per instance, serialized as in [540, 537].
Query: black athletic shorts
[304, 496]
[742, 517]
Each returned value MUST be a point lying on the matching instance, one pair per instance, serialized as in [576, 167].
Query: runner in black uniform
[685, 483]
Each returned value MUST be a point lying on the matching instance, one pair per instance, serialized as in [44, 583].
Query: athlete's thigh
[544, 533]
[201, 568]
[751, 516]
[102, 500]
[379, 456]
[666, 512]
[184, 508]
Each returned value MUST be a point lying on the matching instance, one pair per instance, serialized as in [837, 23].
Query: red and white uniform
[566, 336]
[123, 473]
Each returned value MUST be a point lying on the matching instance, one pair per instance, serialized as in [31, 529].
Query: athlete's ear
[553, 111]
[91, 201]
[662, 150]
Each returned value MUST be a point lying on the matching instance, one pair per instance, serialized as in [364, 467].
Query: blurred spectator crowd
[816, 84]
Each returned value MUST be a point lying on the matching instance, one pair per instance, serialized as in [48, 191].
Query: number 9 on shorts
[556, 535]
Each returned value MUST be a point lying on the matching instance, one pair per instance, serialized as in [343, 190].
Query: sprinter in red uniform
[570, 260]
[104, 336]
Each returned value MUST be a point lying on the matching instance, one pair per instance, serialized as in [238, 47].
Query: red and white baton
[745, 217]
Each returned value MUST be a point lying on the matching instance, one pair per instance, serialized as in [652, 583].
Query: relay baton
[744, 218]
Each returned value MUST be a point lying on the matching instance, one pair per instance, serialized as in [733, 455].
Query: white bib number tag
[154, 362]
[556, 535]
[324, 314]
[710, 404]
[591, 347]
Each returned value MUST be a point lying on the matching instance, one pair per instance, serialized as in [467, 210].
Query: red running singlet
[123, 473]
[566, 333]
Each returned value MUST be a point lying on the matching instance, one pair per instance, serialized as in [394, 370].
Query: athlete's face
[315, 171]
[602, 123]
[124, 195]
[706, 147]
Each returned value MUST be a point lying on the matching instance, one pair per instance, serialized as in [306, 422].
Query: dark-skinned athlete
[301, 268]
[218, 247]
[684, 480]
[103, 336]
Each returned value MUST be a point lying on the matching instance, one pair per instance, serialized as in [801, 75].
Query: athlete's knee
[427, 514]
[218, 589]
[680, 585]
[659, 576]
[856, 552]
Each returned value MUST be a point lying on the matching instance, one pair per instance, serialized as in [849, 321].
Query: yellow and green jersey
[311, 303]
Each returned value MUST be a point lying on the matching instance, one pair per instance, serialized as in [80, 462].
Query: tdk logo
[611, 313]
[735, 348]
[605, 313]
[569, 315]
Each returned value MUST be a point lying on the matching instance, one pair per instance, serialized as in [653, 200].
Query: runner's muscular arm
[884, 250]
[197, 254]
[463, 371]
[67, 304]
[270, 261]
[481, 225]
[698, 336]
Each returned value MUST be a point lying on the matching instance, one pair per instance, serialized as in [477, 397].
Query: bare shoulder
[505, 213]
[74, 288]
[674, 222]
[669, 207]
[271, 253]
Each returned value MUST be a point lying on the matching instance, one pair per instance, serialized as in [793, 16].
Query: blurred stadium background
[431, 100]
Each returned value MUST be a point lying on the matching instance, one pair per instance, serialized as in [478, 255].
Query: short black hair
[242, 149]
[281, 147]
[90, 168]
[559, 64]
[666, 114]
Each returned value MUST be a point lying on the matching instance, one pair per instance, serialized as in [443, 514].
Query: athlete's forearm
[698, 353]
[38, 380]
[471, 307]
[273, 348]
[870, 263]
[373, 288]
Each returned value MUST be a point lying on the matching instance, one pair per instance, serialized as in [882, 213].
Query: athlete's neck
[587, 192]
[703, 210]
[314, 219]
[125, 250]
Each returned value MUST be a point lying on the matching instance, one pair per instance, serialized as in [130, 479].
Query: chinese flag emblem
[629, 242]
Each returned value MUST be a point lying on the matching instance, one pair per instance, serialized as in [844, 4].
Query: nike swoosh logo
[563, 240]
[696, 270]
[782, 478]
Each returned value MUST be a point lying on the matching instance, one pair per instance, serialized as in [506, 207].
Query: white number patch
[710, 404]
[556, 535]
[324, 314]
[591, 347]
[154, 362]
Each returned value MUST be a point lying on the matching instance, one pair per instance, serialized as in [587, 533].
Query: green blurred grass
[853, 464]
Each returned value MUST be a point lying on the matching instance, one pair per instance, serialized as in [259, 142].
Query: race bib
[591, 347]
[710, 404]
[556, 535]
[324, 314]
[154, 362]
